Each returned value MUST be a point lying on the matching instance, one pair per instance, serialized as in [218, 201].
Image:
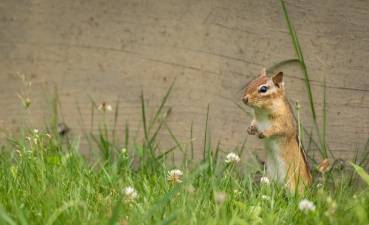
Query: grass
[45, 179]
[46, 182]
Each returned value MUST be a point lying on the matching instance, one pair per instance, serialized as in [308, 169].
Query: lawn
[46, 181]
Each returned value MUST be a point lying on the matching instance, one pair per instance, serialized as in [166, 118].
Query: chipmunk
[275, 124]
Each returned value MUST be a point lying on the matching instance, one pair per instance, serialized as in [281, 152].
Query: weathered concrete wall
[110, 50]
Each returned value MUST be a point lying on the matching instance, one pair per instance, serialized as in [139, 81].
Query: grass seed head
[104, 107]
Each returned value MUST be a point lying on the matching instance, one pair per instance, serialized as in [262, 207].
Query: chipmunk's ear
[278, 79]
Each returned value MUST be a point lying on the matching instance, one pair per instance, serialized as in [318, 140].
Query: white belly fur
[275, 164]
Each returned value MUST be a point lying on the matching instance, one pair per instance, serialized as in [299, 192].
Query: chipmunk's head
[263, 90]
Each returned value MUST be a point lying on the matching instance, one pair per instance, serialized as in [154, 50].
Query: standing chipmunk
[275, 124]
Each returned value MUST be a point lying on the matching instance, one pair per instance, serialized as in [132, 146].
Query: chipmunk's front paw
[261, 135]
[252, 130]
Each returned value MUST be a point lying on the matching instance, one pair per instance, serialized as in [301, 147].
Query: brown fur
[254, 84]
[283, 126]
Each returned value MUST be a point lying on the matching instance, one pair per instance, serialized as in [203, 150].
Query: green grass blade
[162, 104]
[243, 109]
[115, 123]
[174, 138]
[143, 114]
[116, 214]
[282, 63]
[324, 133]
[62, 209]
[298, 51]
[170, 219]
[206, 134]
[5, 217]
[165, 153]
[243, 146]
[365, 156]
[364, 175]
[126, 135]
[191, 141]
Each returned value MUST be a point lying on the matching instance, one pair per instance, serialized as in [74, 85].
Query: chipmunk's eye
[263, 89]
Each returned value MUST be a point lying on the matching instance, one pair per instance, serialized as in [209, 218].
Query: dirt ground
[112, 50]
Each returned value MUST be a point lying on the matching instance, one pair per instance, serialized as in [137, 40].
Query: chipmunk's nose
[245, 99]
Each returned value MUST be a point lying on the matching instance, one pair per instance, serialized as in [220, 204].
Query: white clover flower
[130, 193]
[175, 176]
[264, 181]
[232, 158]
[265, 197]
[306, 206]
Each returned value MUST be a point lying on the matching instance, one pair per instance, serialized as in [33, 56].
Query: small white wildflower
[265, 197]
[319, 185]
[130, 193]
[220, 197]
[124, 150]
[232, 158]
[35, 131]
[306, 206]
[104, 107]
[175, 176]
[264, 180]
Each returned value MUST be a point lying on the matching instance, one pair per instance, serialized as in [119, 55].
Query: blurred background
[87, 52]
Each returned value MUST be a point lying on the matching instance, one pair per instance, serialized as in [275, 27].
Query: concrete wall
[111, 50]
